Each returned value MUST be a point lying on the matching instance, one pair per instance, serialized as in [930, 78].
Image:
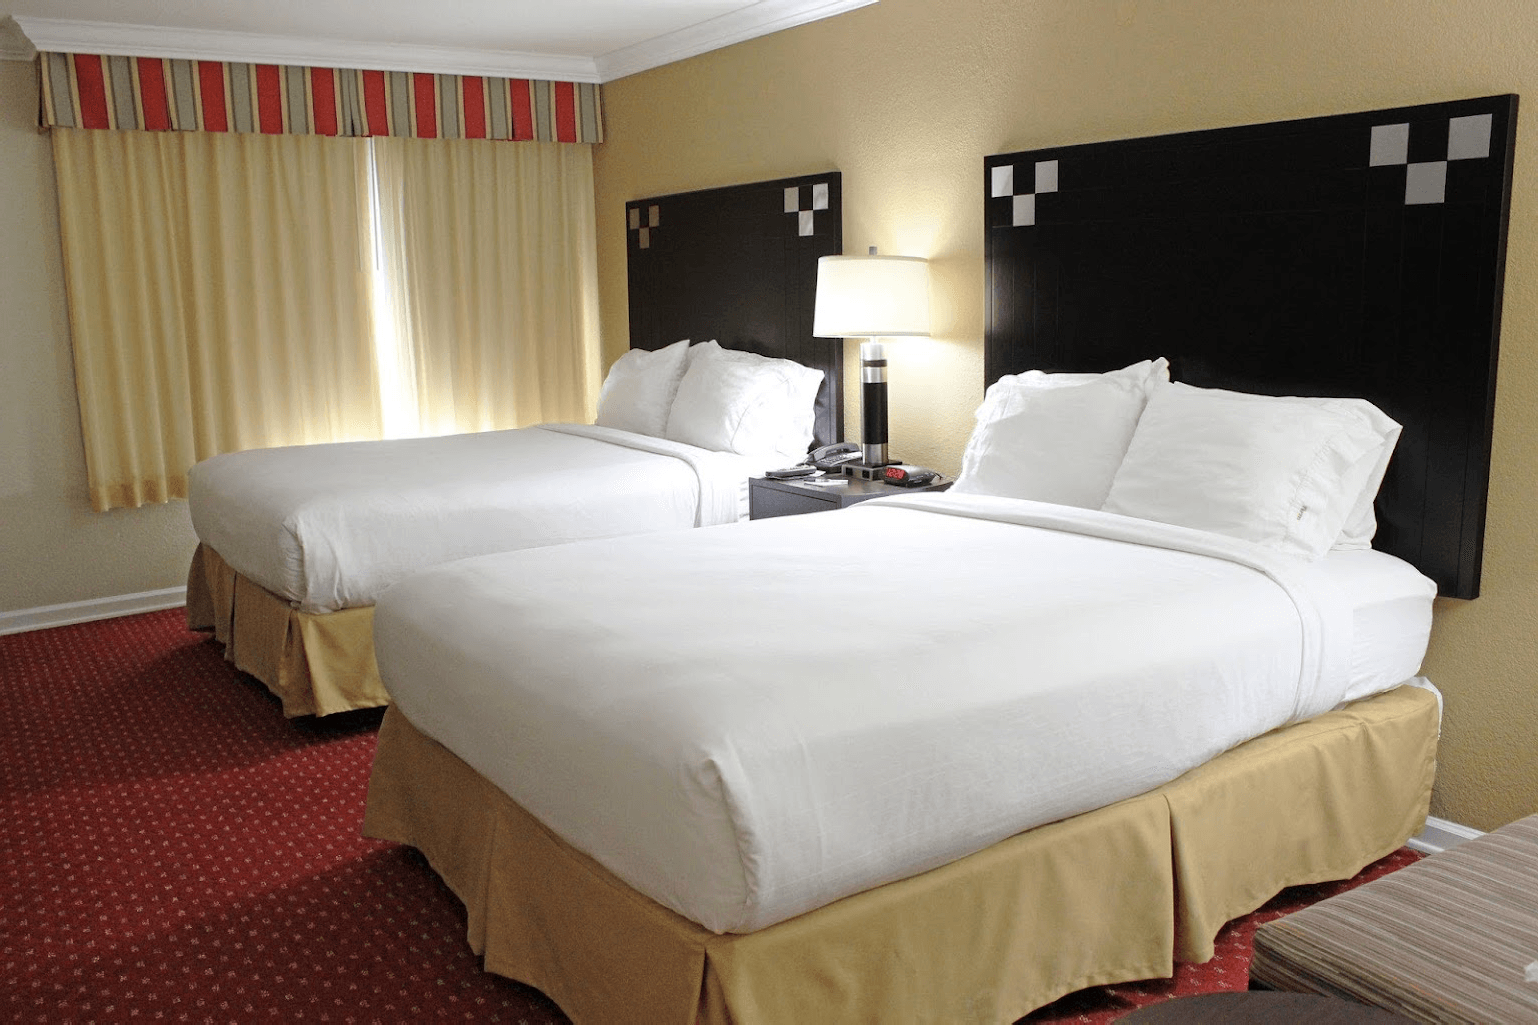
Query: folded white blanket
[721, 476]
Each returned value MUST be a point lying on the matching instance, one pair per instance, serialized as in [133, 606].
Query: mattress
[329, 527]
[1390, 603]
[747, 723]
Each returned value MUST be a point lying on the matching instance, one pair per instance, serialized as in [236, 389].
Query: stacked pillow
[720, 399]
[1296, 475]
[1056, 437]
[1286, 473]
[640, 388]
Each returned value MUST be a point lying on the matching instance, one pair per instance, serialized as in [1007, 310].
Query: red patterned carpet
[176, 850]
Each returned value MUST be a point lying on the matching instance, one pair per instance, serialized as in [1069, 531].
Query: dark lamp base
[866, 471]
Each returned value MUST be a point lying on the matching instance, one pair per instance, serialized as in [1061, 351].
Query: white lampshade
[871, 297]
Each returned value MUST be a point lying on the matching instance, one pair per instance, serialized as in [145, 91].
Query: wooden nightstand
[768, 497]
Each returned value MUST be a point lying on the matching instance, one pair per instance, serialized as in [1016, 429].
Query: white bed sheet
[1391, 603]
[331, 526]
[749, 722]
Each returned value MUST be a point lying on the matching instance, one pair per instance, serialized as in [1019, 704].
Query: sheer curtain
[219, 298]
[488, 284]
[231, 291]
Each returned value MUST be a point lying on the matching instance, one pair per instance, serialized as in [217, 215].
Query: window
[232, 291]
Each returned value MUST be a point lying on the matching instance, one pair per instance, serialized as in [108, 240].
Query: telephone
[831, 457]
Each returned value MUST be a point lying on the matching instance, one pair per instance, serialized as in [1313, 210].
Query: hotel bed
[741, 786]
[697, 790]
[296, 543]
[949, 757]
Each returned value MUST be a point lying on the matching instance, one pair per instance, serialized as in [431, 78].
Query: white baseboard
[1441, 834]
[47, 616]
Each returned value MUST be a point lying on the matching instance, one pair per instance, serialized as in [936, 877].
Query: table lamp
[872, 297]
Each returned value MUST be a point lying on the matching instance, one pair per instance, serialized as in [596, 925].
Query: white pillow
[1004, 396]
[1361, 522]
[638, 392]
[1281, 472]
[1010, 393]
[1063, 445]
[733, 401]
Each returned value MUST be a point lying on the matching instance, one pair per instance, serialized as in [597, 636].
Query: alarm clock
[906, 476]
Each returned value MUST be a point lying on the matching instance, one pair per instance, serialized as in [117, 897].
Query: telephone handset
[831, 457]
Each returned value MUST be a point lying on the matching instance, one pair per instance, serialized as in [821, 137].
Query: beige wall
[53, 548]
[906, 98]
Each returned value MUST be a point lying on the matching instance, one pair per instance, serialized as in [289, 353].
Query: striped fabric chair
[1452, 938]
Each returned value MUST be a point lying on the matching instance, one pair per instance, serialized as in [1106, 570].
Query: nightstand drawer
[768, 497]
[766, 500]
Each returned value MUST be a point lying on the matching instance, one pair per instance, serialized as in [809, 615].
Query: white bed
[1145, 612]
[295, 544]
[751, 722]
[329, 527]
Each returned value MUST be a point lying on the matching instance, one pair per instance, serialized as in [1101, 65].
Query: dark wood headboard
[739, 264]
[1356, 255]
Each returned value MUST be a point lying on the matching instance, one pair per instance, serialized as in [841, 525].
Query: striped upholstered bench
[1448, 939]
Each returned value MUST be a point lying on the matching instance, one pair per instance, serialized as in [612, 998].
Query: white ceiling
[572, 40]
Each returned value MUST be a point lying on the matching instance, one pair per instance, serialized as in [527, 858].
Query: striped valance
[164, 94]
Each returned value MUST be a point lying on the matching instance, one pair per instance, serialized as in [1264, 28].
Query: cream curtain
[488, 267]
[232, 291]
[219, 298]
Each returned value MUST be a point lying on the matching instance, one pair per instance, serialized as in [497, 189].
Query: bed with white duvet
[296, 543]
[1145, 616]
[329, 527]
[751, 722]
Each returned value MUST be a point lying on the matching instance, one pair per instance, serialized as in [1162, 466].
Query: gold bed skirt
[316, 663]
[1108, 896]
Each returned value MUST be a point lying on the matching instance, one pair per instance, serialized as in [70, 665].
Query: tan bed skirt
[317, 664]
[1109, 896]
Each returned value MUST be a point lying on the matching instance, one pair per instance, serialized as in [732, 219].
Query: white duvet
[331, 526]
[748, 722]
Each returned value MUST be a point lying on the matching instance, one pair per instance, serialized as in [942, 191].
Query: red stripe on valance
[91, 92]
[376, 108]
[323, 88]
[152, 95]
[81, 91]
[269, 99]
[523, 109]
[427, 106]
[216, 115]
[474, 106]
[565, 112]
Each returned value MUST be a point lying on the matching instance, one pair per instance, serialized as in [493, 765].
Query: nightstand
[768, 497]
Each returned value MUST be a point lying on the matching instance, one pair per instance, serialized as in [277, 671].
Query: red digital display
[895, 473]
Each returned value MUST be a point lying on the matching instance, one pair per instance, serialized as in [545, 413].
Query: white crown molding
[48, 616]
[761, 19]
[56, 35]
[59, 36]
[14, 45]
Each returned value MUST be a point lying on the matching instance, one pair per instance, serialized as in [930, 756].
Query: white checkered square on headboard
[817, 198]
[1043, 179]
[1468, 138]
